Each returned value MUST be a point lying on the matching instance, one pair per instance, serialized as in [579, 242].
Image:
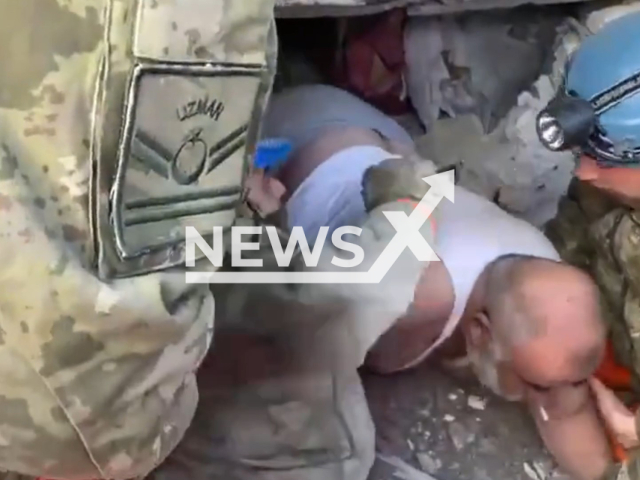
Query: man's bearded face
[492, 367]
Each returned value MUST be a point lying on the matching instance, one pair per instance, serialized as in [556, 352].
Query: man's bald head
[548, 314]
[528, 297]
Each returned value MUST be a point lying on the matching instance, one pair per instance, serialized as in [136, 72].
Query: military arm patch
[189, 128]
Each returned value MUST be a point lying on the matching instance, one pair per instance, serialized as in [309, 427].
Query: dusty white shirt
[331, 195]
[472, 232]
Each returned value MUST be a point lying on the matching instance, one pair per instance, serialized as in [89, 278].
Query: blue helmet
[598, 107]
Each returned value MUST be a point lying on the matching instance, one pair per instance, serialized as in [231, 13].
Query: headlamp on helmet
[598, 107]
[567, 122]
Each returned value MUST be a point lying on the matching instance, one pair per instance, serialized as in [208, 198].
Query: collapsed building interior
[300, 382]
[432, 65]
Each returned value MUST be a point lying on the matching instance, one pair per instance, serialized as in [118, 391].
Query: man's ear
[479, 330]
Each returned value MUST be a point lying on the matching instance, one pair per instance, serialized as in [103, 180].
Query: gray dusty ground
[453, 430]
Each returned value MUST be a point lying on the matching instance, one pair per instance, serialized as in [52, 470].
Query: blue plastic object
[271, 153]
[602, 61]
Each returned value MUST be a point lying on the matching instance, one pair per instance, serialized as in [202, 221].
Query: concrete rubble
[420, 8]
[428, 463]
[405, 471]
[504, 162]
[476, 403]
[457, 429]
[509, 165]
[430, 426]
[449, 438]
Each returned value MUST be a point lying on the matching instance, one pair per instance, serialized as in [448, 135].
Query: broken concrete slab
[510, 166]
[347, 8]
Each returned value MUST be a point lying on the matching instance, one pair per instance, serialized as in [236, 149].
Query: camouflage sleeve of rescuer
[96, 374]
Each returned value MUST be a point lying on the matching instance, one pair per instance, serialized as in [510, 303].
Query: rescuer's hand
[395, 179]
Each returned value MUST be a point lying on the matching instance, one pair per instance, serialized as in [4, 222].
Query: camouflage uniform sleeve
[569, 230]
[97, 375]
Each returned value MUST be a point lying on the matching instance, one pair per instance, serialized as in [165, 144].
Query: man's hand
[619, 419]
[572, 431]
[394, 179]
[264, 193]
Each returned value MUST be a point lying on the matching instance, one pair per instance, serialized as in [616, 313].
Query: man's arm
[350, 317]
[572, 431]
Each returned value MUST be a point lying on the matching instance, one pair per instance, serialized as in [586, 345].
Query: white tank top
[332, 194]
[471, 233]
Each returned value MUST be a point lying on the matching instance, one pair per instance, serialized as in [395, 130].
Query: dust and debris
[459, 435]
[532, 472]
[428, 462]
[412, 447]
[404, 470]
[476, 402]
[487, 446]
[544, 415]
[481, 474]
[453, 397]
[490, 444]
[557, 474]
[540, 470]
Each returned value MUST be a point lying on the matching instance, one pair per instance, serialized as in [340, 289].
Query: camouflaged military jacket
[120, 122]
